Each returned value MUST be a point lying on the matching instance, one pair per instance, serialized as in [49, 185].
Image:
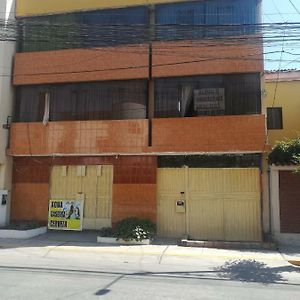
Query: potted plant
[129, 231]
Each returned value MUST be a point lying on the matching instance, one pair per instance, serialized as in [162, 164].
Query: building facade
[144, 108]
[283, 105]
[7, 49]
[283, 108]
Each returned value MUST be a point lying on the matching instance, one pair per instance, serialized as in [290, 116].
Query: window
[117, 100]
[84, 29]
[274, 118]
[198, 19]
[211, 95]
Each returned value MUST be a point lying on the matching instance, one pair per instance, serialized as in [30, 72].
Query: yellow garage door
[94, 182]
[220, 204]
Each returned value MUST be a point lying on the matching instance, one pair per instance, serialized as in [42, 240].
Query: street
[43, 269]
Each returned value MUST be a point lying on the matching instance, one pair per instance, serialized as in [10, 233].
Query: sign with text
[209, 100]
[65, 214]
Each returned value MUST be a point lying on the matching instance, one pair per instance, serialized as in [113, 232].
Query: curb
[228, 245]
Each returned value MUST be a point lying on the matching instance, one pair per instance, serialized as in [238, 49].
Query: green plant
[286, 153]
[134, 229]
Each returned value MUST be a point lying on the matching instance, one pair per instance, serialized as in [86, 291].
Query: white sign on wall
[209, 99]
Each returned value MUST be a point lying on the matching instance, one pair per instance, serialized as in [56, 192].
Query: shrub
[134, 229]
[286, 153]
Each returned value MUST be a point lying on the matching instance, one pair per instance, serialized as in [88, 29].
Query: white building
[7, 49]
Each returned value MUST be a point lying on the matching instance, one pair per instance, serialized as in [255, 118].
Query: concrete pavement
[84, 244]
[53, 267]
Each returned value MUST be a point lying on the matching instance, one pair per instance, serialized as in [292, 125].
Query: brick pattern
[205, 134]
[30, 202]
[206, 57]
[29, 170]
[79, 137]
[209, 134]
[134, 200]
[289, 195]
[79, 65]
[133, 175]
[183, 58]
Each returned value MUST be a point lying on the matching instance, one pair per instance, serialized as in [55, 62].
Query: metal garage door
[220, 204]
[95, 182]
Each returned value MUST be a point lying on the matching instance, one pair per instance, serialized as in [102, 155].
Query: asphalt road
[61, 272]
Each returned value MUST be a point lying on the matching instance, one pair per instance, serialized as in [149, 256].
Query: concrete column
[265, 196]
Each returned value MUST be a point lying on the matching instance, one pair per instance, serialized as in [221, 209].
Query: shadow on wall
[253, 271]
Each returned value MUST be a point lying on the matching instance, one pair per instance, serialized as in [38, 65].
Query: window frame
[272, 122]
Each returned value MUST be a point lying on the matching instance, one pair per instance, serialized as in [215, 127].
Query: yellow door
[170, 184]
[94, 182]
[224, 204]
[220, 204]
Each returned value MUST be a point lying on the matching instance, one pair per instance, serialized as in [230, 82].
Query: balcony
[79, 137]
[222, 134]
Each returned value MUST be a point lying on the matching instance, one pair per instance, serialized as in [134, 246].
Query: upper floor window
[274, 118]
[116, 100]
[110, 27]
[84, 29]
[193, 20]
[211, 95]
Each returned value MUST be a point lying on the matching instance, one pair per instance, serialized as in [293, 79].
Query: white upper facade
[7, 50]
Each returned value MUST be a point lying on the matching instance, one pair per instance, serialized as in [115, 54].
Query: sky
[281, 11]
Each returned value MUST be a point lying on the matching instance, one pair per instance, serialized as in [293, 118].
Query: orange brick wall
[79, 137]
[206, 57]
[77, 65]
[30, 202]
[136, 200]
[131, 62]
[209, 134]
[30, 189]
[204, 134]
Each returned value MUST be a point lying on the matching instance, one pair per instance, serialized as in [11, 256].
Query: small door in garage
[94, 182]
[219, 204]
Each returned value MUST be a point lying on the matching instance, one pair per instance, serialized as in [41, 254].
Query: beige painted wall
[7, 49]
[39, 7]
[287, 97]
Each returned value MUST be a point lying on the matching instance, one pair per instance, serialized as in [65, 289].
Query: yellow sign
[65, 214]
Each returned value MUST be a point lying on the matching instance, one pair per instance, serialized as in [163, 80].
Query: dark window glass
[208, 95]
[84, 101]
[176, 21]
[193, 20]
[274, 118]
[210, 161]
[31, 110]
[84, 29]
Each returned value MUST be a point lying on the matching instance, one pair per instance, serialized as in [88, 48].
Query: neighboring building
[283, 107]
[162, 122]
[7, 49]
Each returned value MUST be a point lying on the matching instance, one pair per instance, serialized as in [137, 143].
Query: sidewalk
[84, 243]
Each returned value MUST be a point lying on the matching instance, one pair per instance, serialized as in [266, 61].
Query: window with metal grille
[274, 118]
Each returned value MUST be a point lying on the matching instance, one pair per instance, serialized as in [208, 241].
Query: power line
[279, 68]
[296, 9]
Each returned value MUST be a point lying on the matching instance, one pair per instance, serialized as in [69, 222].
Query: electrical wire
[296, 9]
